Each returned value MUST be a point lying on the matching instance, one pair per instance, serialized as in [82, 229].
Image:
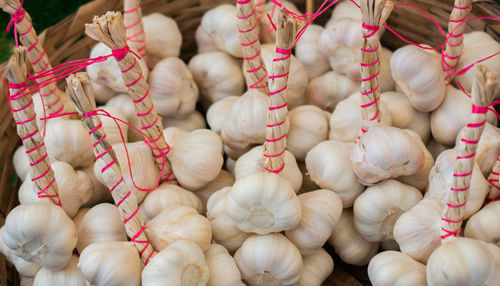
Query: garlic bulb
[297, 76]
[102, 93]
[378, 207]
[218, 75]
[346, 9]
[395, 268]
[327, 90]
[329, 167]
[308, 127]
[21, 163]
[197, 159]
[308, 53]
[345, 123]
[111, 263]
[435, 148]
[182, 263]
[163, 38]
[23, 267]
[224, 179]
[127, 106]
[222, 267]
[441, 177]
[484, 224]
[263, 203]
[386, 152]
[419, 180]
[70, 275]
[348, 244]
[41, 233]
[192, 122]
[253, 161]
[217, 112]
[417, 230]
[405, 116]
[176, 223]
[321, 210]
[173, 89]
[452, 115]
[69, 141]
[203, 41]
[424, 84]
[97, 224]
[224, 229]
[464, 261]
[267, 34]
[168, 195]
[113, 128]
[317, 267]
[219, 24]
[269, 260]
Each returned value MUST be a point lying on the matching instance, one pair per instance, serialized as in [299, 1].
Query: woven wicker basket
[66, 41]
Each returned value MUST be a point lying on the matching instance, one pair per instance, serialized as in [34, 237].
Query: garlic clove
[225, 179]
[70, 275]
[222, 267]
[219, 24]
[23, 267]
[217, 112]
[395, 268]
[484, 224]
[308, 53]
[113, 128]
[317, 267]
[326, 90]
[192, 122]
[163, 38]
[127, 106]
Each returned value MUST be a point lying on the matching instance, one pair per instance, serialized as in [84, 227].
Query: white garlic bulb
[253, 161]
[395, 268]
[218, 75]
[102, 93]
[348, 244]
[220, 25]
[41, 233]
[423, 84]
[192, 122]
[173, 89]
[327, 90]
[269, 260]
[176, 223]
[70, 275]
[222, 267]
[163, 38]
[263, 203]
[321, 210]
[419, 180]
[346, 9]
[168, 195]
[217, 112]
[307, 51]
[113, 128]
[329, 166]
[484, 224]
[111, 263]
[317, 267]
[99, 223]
[203, 41]
[181, 263]
[378, 207]
[266, 32]
[127, 106]
[224, 179]
[21, 163]
[23, 267]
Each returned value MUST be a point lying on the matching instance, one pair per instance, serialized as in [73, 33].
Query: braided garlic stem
[132, 18]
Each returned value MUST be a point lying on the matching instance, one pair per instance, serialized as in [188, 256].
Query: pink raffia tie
[15, 19]
[134, 38]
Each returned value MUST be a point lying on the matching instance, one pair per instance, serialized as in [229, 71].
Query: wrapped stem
[82, 96]
[493, 180]
[132, 18]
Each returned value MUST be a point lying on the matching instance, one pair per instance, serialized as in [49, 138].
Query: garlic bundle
[269, 260]
[317, 267]
[424, 84]
[218, 75]
[217, 112]
[179, 222]
[111, 263]
[163, 38]
[70, 275]
[41, 233]
[203, 41]
[110, 126]
[329, 167]
[127, 107]
[21, 163]
[395, 268]
[220, 25]
[321, 210]
[192, 122]
[464, 261]
[97, 224]
[308, 127]
[484, 224]
[224, 179]
[267, 34]
[23, 267]
[348, 244]
[168, 195]
[345, 122]
[327, 90]
[308, 53]
[253, 161]
[377, 209]
[222, 267]
[385, 152]
[173, 89]
[419, 180]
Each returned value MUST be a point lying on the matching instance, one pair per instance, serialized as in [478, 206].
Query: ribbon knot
[372, 28]
[479, 109]
[119, 54]
[16, 18]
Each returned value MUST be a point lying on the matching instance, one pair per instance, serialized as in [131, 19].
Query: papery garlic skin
[269, 260]
[326, 90]
[192, 122]
[70, 275]
[163, 38]
[378, 207]
[222, 267]
[224, 179]
[329, 166]
[174, 134]
[348, 244]
[464, 261]
[220, 25]
[23, 267]
[307, 51]
[21, 163]
[41, 233]
[321, 209]
[263, 203]
[317, 267]
[111, 127]
[484, 224]
[390, 268]
[217, 112]
[111, 263]
[423, 84]
[203, 41]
